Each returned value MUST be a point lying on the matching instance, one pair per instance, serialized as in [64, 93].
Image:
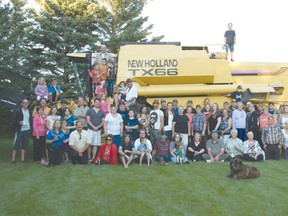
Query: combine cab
[169, 70]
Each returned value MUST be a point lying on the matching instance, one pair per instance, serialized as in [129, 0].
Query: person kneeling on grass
[54, 141]
[79, 141]
[215, 149]
[126, 151]
[107, 153]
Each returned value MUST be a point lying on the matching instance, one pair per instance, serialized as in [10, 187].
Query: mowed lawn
[194, 189]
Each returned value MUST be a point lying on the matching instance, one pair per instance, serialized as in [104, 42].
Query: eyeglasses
[108, 139]
[80, 137]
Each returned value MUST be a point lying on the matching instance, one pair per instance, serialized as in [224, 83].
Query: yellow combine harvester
[169, 70]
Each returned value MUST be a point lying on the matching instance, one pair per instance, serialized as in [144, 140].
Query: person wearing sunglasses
[107, 153]
[79, 141]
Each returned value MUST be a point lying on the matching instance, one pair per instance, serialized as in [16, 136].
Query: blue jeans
[117, 140]
[185, 160]
[169, 135]
[110, 88]
[165, 157]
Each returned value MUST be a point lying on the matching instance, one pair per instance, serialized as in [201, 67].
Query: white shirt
[26, 123]
[113, 124]
[79, 140]
[169, 126]
[131, 92]
[155, 121]
[239, 119]
[285, 137]
[148, 143]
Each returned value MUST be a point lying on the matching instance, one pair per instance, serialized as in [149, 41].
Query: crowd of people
[122, 132]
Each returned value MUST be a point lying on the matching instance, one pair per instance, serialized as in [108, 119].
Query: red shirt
[112, 151]
[95, 74]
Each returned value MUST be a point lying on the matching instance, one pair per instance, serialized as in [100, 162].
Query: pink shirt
[263, 120]
[99, 90]
[39, 125]
[104, 107]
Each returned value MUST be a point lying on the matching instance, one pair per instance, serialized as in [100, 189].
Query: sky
[261, 25]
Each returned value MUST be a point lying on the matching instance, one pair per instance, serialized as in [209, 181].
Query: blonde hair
[39, 80]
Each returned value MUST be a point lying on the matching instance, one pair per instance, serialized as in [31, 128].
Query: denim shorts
[230, 47]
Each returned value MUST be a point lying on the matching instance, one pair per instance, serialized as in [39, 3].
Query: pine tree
[121, 20]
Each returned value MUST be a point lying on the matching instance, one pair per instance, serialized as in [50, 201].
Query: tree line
[34, 42]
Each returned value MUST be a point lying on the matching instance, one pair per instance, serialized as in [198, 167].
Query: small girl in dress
[100, 89]
[41, 90]
[143, 150]
[104, 104]
[177, 152]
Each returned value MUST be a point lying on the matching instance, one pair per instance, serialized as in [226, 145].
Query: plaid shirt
[272, 135]
[198, 122]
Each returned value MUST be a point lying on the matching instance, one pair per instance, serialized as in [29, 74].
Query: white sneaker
[208, 161]
[221, 161]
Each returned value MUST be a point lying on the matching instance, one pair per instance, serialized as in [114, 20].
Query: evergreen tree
[121, 20]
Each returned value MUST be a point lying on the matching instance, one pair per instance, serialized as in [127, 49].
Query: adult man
[162, 148]
[80, 112]
[142, 134]
[22, 121]
[233, 106]
[131, 93]
[225, 107]
[272, 139]
[103, 54]
[95, 120]
[79, 142]
[190, 104]
[230, 40]
[199, 122]
[175, 106]
[163, 105]
[215, 149]
[156, 122]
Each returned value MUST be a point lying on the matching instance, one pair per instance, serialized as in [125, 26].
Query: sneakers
[221, 161]
[13, 162]
[232, 60]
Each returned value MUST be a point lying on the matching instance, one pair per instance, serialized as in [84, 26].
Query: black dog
[242, 171]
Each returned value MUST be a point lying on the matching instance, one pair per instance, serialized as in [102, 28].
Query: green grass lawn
[194, 189]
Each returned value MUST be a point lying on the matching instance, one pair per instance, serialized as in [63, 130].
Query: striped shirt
[272, 135]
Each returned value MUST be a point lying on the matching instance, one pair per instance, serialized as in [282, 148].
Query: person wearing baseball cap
[131, 93]
[156, 122]
[238, 94]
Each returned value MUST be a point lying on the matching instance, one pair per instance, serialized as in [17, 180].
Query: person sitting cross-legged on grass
[79, 141]
[196, 148]
[126, 151]
[54, 141]
[162, 148]
[215, 149]
[142, 134]
[177, 139]
[107, 153]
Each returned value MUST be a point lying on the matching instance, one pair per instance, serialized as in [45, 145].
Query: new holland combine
[169, 70]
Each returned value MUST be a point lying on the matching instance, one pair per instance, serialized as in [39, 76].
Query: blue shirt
[52, 134]
[52, 90]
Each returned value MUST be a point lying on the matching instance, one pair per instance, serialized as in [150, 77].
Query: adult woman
[214, 119]
[144, 119]
[52, 117]
[252, 150]
[39, 135]
[181, 125]
[252, 121]
[168, 118]
[177, 139]
[239, 121]
[71, 119]
[196, 148]
[263, 121]
[131, 125]
[225, 126]
[54, 140]
[108, 152]
[233, 145]
[126, 151]
[285, 134]
[283, 117]
[113, 124]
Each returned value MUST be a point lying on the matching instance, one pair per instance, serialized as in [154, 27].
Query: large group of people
[122, 132]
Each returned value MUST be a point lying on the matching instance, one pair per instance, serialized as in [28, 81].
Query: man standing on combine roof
[230, 40]
[103, 54]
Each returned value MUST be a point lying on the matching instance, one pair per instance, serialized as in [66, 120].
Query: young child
[104, 104]
[143, 150]
[120, 93]
[177, 152]
[104, 69]
[41, 90]
[95, 75]
[100, 89]
[54, 91]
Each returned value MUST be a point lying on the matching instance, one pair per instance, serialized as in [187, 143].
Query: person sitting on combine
[100, 89]
[238, 94]
[143, 150]
[177, 153]
[104, 69]
[230, 41]
[41, 90]
[95, 75]
[131, 93]
[54, 91]
[120, 93]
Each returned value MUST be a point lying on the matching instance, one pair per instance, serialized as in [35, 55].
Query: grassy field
[194, 189]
